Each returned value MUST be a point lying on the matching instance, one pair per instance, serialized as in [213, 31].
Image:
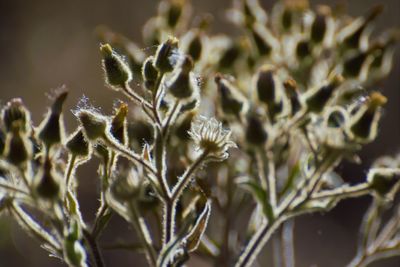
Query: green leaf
[194, 237]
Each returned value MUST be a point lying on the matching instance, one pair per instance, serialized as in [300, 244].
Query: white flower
[211, 138]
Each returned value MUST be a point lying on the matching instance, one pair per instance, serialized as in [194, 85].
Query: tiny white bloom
[211, 137]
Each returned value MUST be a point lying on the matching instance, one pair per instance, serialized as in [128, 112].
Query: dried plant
[252, 124]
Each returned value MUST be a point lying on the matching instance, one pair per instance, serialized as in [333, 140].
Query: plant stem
[92, 243]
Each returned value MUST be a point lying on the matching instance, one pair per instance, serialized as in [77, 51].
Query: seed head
[210, 137]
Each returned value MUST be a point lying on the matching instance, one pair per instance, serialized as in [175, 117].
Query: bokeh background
[48, 43]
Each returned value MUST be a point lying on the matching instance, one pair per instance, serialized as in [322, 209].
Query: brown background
[47, 43]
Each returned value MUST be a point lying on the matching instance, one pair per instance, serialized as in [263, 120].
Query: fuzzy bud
[364, 123]
[263, 45]
[336, 118]
[149, 73]
[232, 101]
[51, 129]
[48, 179]
[303, 49]
[229, 56]
[94, 125]
[353, 66]
[266, 85]
[18, 148]
[195, 47]
[16, 113]
[164, 56]
[255, 131]
[77, 144]
[319, 25]
[292, 94]
[118, 124]
[116, 70]
[126, 186]
[384, 182]
[183, 84]
[183, 126]
[317, 99]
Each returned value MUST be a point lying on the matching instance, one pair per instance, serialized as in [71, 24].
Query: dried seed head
[15, 113]
[47, 182]
[77, 144]
[116, 70]
[51, 130]
[165, 58]
[119, 124]
[94, 125]
[210, 137]
[384, 182]
[364, 123]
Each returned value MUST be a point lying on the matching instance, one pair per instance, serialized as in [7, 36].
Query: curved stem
[91, 241]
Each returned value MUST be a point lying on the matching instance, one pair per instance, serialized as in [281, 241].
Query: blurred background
[45, 44]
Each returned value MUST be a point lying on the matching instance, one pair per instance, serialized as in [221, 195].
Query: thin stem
[70, 168]
[343, 192]
[271, 180]
[186, 177]
[288, 243]
[10, 187]
[169, 221]
[172, 114]
[91, 241]
[127, 153]
[130, 93]
[144, 234]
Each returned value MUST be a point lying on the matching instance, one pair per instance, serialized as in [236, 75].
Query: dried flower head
[211, 138]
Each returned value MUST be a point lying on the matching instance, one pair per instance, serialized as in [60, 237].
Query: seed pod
[51, 130]
[172, 11]
[47, 182]
[255, 132]
[164, 58]
[183, 84]
[18, 148]
[93, 124]
[293, 96]
[384, 182]
[149, 73]
[116, 70]
[232, 101]
[15, 113]
[317, 99]
[364, 123]
[119, 124]
[77, 144]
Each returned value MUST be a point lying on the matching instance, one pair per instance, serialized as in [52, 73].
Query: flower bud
[266, 85]
[93, 124]
[16, 113]
[255, 131]
[164, 58]
[364, 123]
[292, 94]
[352, 36]
[116, 70]
[183, 84]
[172, 11]
[51, 129]
[229, 56]
[232, 101]
[149, 73]
[303, 49]
[118, 124]
[140, 132]
[47, 182]
[384, 182]
[18, 148]
[317, 99]
[195, 46]
[77, 145]
[319, 25]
